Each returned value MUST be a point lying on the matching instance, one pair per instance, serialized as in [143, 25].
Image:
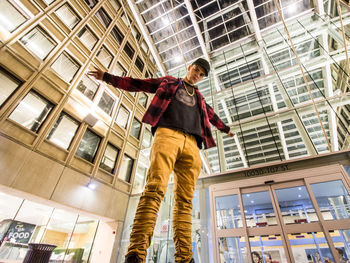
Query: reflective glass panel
[109, 158]
[295, 205]
[66, 67]
[88, 146]
[11, 17]
[310, 247]
[232, 250]
[63, 131]
[87, 37]
[39, 42]
[136, 128]
[32, 111]
[267, 248]
[8, 85]
[341, 240]
[122, 117]
[333, 199]
[88, 87]
[68, 16]
[228, 213]
[258, 209]
[106, 103]
[126, 168]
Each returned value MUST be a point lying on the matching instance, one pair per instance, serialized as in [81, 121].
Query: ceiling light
[292, 8]
[178, 59]
[165, 21]
[91, 186]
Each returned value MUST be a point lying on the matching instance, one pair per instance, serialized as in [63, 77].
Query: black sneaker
[132, 258]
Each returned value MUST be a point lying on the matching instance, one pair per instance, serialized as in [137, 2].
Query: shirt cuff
[106, 77]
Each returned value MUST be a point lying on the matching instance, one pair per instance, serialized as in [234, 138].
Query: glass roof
[256, 84]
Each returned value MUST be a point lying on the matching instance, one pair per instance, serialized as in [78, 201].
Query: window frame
[110, 93]
[15, 79]
[73, 11]
[45, 34]
[48, 103]
[87, 29]
[113, 170]
[96, 150]
[69, 56]
[19, 10]
[139, 135]
[63, 113]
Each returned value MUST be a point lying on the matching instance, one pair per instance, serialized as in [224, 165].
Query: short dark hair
[340, 251]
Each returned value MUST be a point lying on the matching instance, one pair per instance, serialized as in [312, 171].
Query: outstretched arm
[217, 122]
[127, 83]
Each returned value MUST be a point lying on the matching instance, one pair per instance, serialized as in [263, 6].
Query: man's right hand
[97, 74]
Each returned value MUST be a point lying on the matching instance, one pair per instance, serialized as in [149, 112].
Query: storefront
[79, 237]
[294, 217]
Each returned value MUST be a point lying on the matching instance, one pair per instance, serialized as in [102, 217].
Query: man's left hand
[230, 134]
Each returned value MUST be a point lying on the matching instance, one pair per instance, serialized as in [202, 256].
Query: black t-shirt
[183, 113]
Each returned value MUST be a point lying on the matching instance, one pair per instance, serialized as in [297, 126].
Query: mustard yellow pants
[176, 151]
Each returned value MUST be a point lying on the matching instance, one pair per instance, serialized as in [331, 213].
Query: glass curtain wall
[23, 222]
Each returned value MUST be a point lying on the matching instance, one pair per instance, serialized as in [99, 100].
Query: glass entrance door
[306, 220]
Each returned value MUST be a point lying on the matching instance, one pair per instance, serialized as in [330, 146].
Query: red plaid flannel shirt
[164, 89]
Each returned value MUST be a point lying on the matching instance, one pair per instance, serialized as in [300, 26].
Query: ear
[189, 67]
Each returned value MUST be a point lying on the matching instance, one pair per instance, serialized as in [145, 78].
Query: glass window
[88, 87]
[123, 117]
[68, 16]
[143, 100]
[103, 17]
[136, 33]
[118, 35]
[91, 3]
[140, 177]
[109, 158]
[106, 102]
[66, 67]
[333, 199]
[136, 128]
[10, 16]
[295, 205]
[32, 111]
[258, 209]
[310, 247]
[228, 213]
[341, 239]
[63, 131]
[119, 70]
[232, 249]
[125, 19]
[88, 146]
[87, 37]
[78, 247]
[144, 46]
[8, 85]
[129, 50]
[60, 229]
[115, 4]
[267, 248]
[126, 168]
[48, 2]
[139, 63]
[147, 138]
[39, 42]
[104, 56]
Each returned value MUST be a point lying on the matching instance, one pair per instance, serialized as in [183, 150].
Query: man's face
[195, 74]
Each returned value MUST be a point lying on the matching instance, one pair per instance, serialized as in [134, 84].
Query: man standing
[180, 118]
